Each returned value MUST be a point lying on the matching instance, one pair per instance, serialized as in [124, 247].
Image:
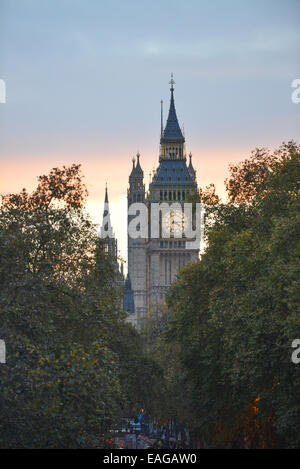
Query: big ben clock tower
[173, 182]
[153, 263]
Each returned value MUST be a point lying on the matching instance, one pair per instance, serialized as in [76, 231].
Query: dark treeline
[225, 340]
[74, 368]
[217, 357]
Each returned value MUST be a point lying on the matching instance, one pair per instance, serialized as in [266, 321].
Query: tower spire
[106, 213]
[172, 132]
[106, 231]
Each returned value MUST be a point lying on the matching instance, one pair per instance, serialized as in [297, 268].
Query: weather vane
[172, 82]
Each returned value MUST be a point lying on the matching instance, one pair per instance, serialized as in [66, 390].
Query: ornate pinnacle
[172, 82]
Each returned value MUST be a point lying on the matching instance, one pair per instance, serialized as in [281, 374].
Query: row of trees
[218, 356]
[74, 368]
[225, 339]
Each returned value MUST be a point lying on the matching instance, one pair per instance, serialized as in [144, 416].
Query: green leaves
[59, 307]
[236, 312]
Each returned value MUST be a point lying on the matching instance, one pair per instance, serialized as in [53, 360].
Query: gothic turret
[191, 168]
[136, 191]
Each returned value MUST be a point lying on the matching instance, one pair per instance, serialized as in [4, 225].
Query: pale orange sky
[211, 165]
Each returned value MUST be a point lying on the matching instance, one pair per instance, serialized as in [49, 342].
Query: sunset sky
[85, 78]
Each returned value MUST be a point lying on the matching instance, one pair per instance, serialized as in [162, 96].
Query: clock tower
[173, 183]
[154, 262]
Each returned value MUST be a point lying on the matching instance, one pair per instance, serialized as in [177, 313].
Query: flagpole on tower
[161, 118]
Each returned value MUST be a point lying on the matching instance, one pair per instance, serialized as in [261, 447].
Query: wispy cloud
[262, 41]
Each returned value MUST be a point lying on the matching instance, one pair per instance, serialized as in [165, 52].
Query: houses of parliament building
[153, 263]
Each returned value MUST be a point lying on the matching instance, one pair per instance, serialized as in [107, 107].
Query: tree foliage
[235, 313]
[64, 383]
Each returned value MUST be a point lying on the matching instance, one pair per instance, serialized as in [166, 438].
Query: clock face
[173, 224]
